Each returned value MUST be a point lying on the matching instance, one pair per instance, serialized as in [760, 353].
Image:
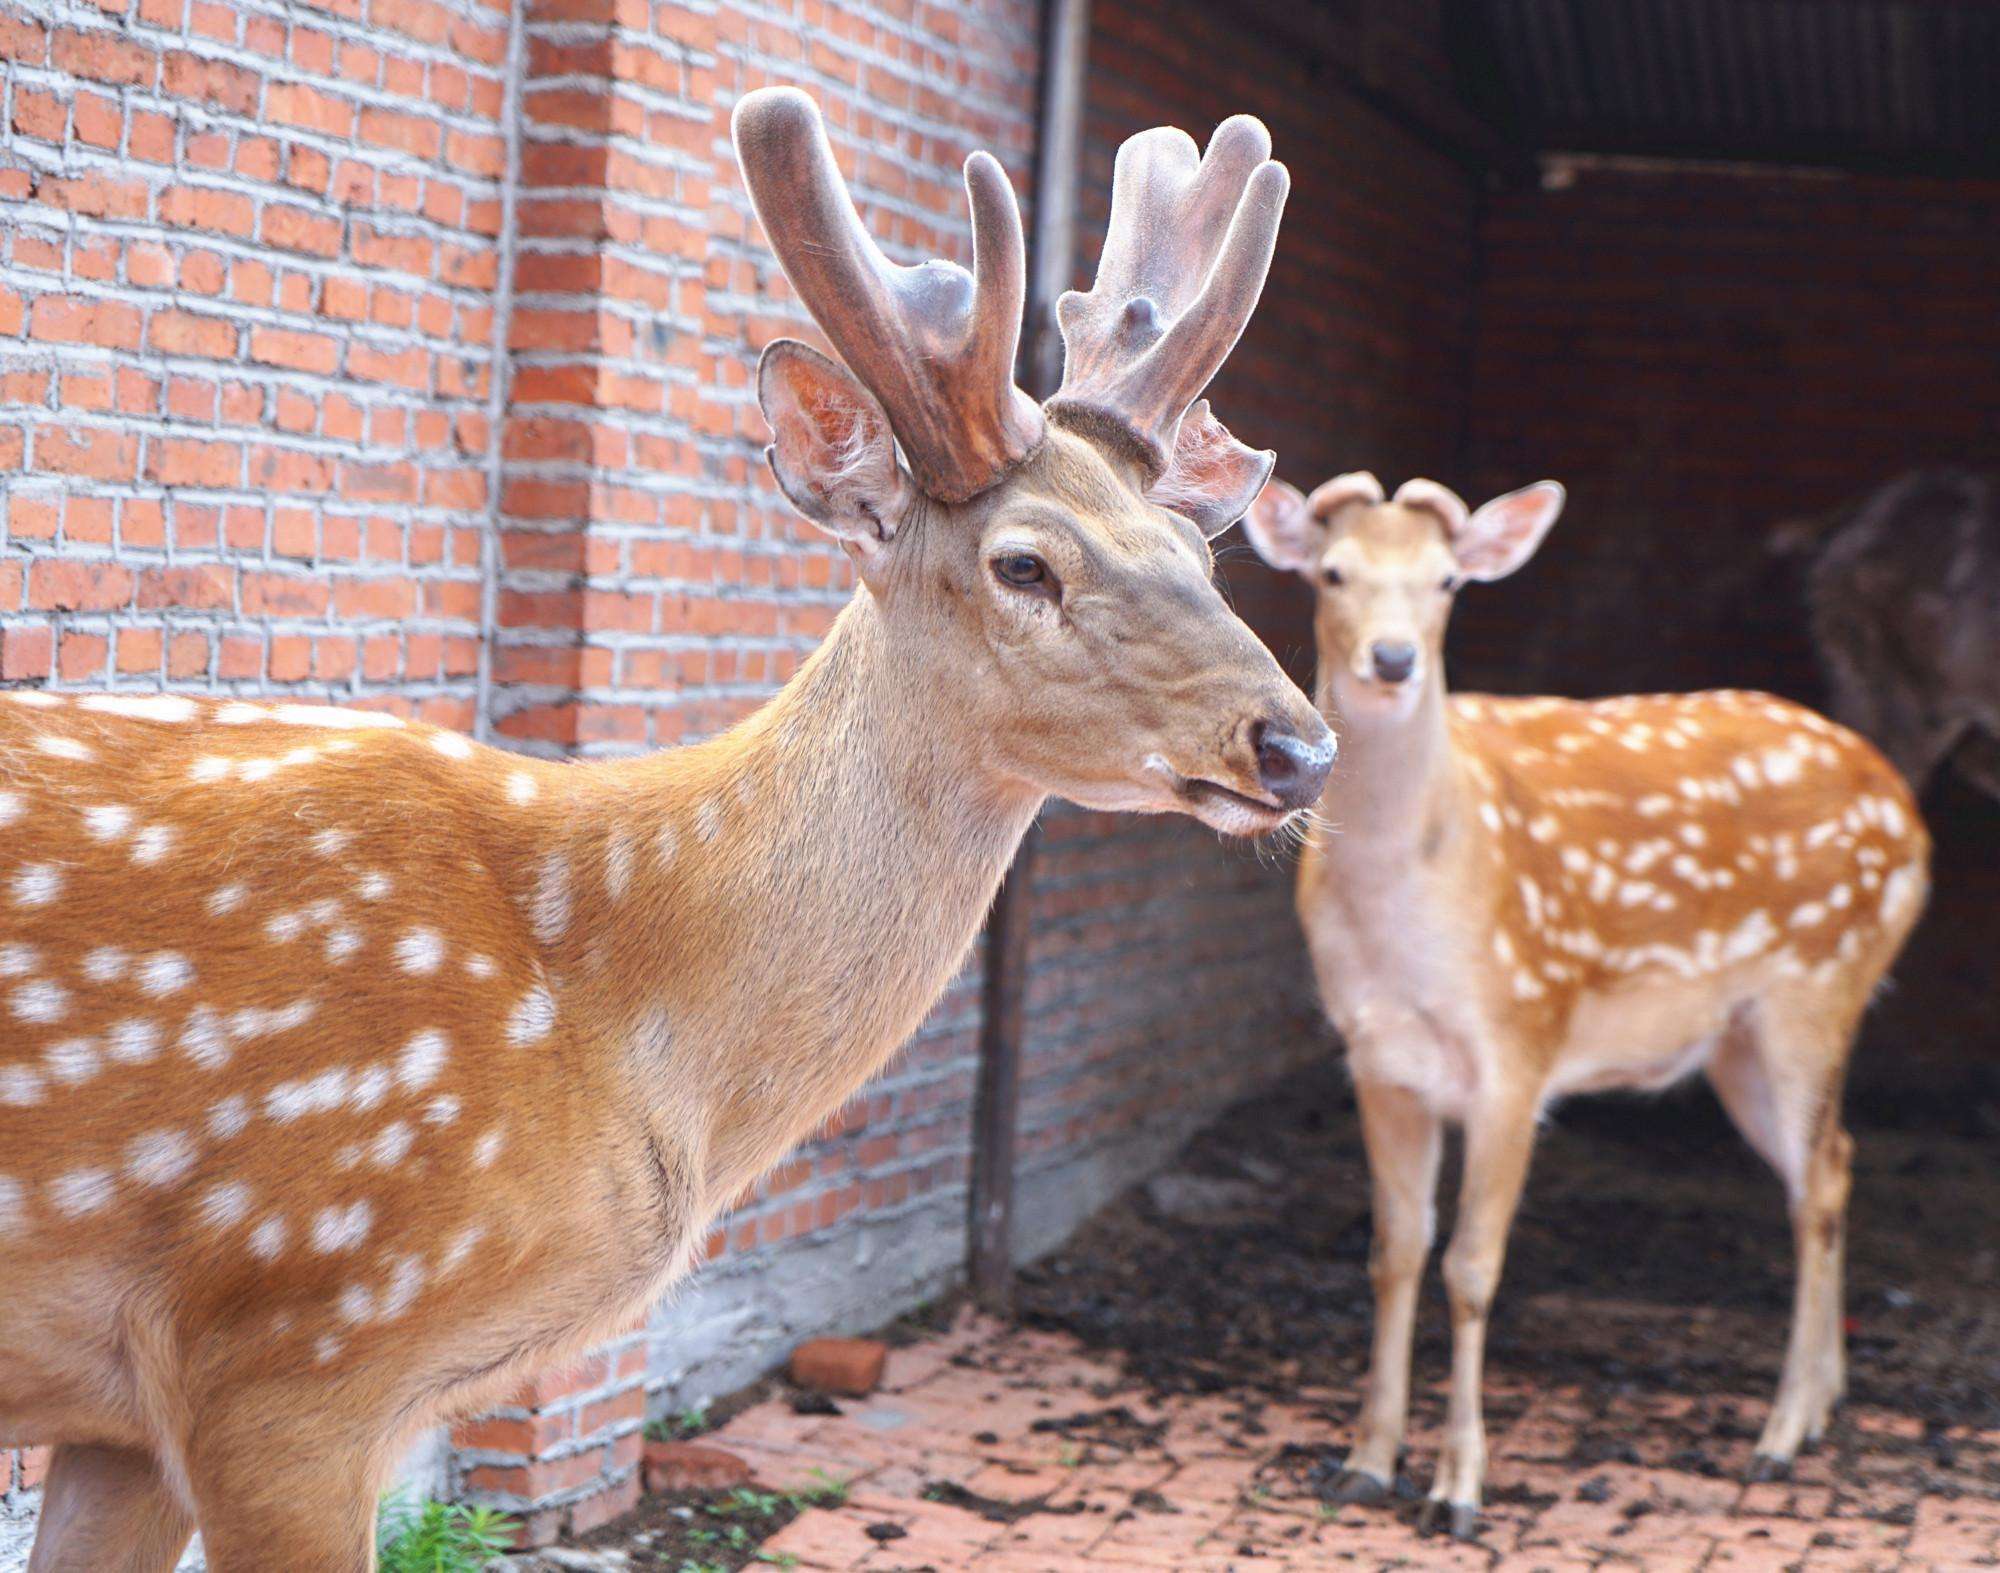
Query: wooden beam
[1051, 269]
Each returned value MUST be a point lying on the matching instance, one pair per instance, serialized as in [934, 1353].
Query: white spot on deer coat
[341, 944]
[42, 1000]
[326, 1349]
[487, 1148]
[225, 1206]
[521, 787]
[372, 886]
[549, 907]
[317, 1095]
[159, 1157]
[73, 1060]
[268, 1238]
[106, 821]
[357, 1303]
[16, 960]
[10, 807]
[203, 1040]
[210, 767]
[479, 966]
[226, 900]
[164, 972]
[451, 745]
[81, 1191]
[708, 819]
[37, 884]
[227, 1118]
[20, 1086]
[391, 1145]
[532, 1018]
[141, 707]
[441, 1111]
[106, 964]
[406, 1282]
[64, 748]
[152, 843]
[329, 843]
[337, 1229]
[10, 1204]
[134, 1040]
[281, 928]
[421, 1060]
[666, 841]
[420, 951]
[618, 851]
[462, 1245]
[371, 1086]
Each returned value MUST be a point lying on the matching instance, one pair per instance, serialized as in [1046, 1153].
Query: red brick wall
[246, 321]
[1700, 356]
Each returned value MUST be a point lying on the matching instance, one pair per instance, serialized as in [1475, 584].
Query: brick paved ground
[1093, 1475]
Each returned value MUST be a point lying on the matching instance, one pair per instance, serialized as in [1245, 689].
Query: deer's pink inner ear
[1282, 529]
[1503, 534]
[831, 450]
[1213, 478]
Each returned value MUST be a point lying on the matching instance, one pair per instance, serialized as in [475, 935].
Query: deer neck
[819, 873]
[1395, 794]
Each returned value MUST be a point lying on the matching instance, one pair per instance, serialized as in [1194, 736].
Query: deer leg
[1403, 1142]
[107, 1510]
[1781, 1087]
[1499, 1135]
[272, 1500]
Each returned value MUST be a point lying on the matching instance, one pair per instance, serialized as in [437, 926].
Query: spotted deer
[1518, 899]
[349, 1070]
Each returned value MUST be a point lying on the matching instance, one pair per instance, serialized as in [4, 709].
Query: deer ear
[1503, 534]
[831, 450]
[1283, 528]
[1213, 478]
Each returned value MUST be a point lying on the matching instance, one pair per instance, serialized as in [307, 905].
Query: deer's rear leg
[1403, 1142]
[107, 1510]
[1781, 1085]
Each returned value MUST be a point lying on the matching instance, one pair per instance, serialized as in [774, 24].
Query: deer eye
[1023, 570]
[1449, 583]
[1333, 576]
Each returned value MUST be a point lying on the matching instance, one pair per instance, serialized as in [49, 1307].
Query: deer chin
[1217, 806]
[1362, 699]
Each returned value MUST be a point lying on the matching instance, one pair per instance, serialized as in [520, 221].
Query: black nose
[1395, 659]
[1293, 768]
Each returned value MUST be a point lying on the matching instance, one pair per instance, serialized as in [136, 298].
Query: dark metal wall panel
[1902, 84]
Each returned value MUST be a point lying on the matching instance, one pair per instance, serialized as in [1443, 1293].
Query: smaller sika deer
[1520, 899]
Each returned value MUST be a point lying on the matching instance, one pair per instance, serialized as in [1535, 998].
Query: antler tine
[933, 343]
[1184, 263]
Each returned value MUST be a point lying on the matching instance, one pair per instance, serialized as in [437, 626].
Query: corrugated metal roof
[1902, 84]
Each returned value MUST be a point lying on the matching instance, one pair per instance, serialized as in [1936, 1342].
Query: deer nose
[1395, 659]
[1293, 769]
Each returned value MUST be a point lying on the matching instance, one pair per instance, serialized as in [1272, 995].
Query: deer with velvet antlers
[282, 986]
[1527, 898]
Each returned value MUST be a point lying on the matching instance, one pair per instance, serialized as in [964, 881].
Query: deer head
[1386, 572]
[1047, 567]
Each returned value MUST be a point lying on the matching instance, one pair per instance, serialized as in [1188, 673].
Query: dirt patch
[1652, 1257]
[713, 1531]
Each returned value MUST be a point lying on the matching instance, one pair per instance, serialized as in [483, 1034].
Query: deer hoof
[1459, 1519]
[1356, 1487]
[1766, 1467]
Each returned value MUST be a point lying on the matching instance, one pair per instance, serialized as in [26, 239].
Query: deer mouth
[1225, 809]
